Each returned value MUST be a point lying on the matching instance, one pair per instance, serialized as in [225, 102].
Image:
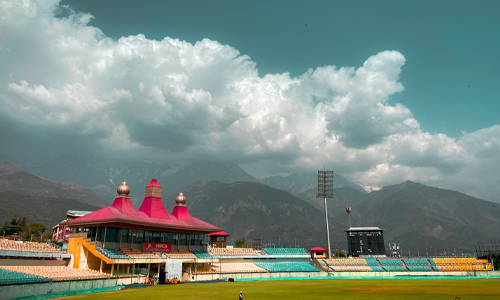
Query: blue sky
[452, 48]
[380, 91]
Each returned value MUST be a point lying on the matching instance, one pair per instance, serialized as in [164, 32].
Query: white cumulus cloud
[65, 81]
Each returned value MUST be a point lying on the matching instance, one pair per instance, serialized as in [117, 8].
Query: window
[155, 237]
[111, 235]
[183, 239]
[196, 239]
[168, 237]
[125, 236]
[139, 236]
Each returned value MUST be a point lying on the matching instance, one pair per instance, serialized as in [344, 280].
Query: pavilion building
[121, 237]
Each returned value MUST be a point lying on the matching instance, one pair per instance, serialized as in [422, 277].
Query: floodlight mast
[348, 210]
[325, 190]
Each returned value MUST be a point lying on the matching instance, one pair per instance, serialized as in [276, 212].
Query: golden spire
[123, 190]
[180, 200]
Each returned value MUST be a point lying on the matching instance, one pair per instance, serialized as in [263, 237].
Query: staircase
[77, 239]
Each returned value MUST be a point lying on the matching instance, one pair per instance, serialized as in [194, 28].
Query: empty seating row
[393, 265]
[28, 246]
[111, 253]
[461, 264]
[225, 268]
[287, 267]
[138, 254]
[348, 264]
[232, 251]
[58, 273]
[351, 268]
[285, 251]
[203, 255]
[180, 254]
[374, 265]
[10, 277]
[417, 264]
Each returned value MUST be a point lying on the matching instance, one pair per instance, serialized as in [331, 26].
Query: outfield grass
[316, 289]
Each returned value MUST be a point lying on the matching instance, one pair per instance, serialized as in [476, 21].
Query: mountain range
[412, 214]
[297, 183]
[253, 211]
[103, 176]
[39, 199]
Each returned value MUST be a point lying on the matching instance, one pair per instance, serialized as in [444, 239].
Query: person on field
[241, 296]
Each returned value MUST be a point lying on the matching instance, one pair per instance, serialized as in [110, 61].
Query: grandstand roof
[151, 215]
[364, 229]
[220, 233]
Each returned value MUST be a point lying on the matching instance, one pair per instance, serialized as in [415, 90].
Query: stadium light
[348, 210]
[325, 190]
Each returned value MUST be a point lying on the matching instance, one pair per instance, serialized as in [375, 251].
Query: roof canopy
[151, 215]
[220, 233]
[318, 249]
[364, 229]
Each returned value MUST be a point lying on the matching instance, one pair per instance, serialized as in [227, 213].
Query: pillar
[158, 273]
[149, 269]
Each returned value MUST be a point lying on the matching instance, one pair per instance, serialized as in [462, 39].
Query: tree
[240, 242]
[35, 229]
[340, 253]
[17, 225]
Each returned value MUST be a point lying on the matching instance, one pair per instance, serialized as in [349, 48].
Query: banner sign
[157, 247]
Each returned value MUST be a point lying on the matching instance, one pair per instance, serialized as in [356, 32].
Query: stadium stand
[287, 267]
[417, 264]
[433, 264]
[56, 273]
[393, 265]
[461, 264]
[348, 264]
[111, 253]
[374, 265]
[28, 246]
[9, 277]
[181, 254]
[138, 254]
[232, 251]
[285, 251]
[203, 255]
[226, 268]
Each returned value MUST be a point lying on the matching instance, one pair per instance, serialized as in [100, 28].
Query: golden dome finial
[123, 190]
[180, 200]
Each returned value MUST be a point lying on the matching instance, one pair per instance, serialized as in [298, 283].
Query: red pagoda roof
[154, 183]
[318, 249]
[151, 214]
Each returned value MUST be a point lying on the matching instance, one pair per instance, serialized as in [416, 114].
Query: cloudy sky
[379, 91]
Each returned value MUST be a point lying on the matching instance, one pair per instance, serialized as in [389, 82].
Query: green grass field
[316, 289]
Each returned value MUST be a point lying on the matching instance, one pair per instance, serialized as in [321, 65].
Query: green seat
[287, 267]
[285, 251]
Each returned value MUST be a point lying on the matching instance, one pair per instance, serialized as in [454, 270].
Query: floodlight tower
[325, 190]
[348, 210]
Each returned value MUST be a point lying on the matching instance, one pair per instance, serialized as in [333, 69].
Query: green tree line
[22, 227]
